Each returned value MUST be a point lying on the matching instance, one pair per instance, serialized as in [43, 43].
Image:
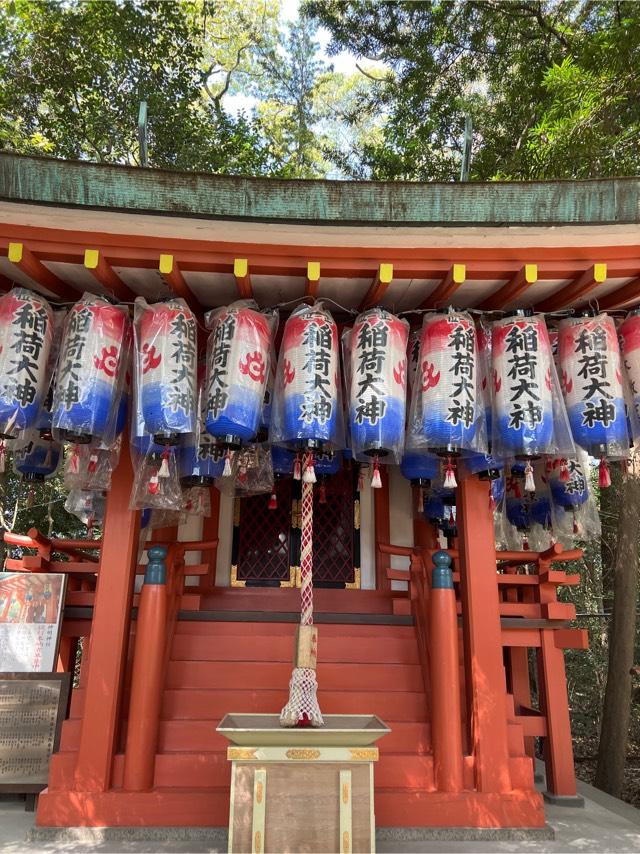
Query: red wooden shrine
[447, 669]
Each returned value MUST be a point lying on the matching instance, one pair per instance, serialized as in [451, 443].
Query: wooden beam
[513, 289]
[5, 283]
[313, 279]
[25, 260]
[630, 292]
[446, 289]
[243, 279]
[378, 286]
[103, 273]
[577, 290]
[172, 275]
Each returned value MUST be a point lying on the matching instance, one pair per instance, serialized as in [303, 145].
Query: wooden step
[264, 675]
[258, 647]
[288, 599]
[378, 634]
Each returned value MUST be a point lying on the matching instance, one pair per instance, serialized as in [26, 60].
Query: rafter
[313, 279]
[26, 261]
[378, 287]
[455, 277]
[576, 290]
[172, 275]
[104, 274]
[5, 283]
[243, 279]
[622, 295]
[513, 289]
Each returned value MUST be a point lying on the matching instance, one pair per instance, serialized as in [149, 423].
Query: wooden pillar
[383, 529]
[210, 529]
[148, 674]
[486, 689]
[109, 634]
[446, 717]
[520, 685]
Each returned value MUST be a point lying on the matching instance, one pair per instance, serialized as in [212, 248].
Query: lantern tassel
[529, 481]
[154, 483]
[3, 455]
[450, 481]
[576, 526]
[564, 471]
[309, 475]
[74, 462]
[297, 468]
[92, 465]
[273, 502]
[525, 543]
[376, 480]
[323, 493]
[604, 476]
[164, 465]
[226, 471]
[452, 520]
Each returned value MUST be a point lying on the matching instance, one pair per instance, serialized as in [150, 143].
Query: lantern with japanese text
[34, 458]
[89, 377]
[525, 403]
[238, 361]
[200, 460]
[446, 415]
[377, 389]
[568, 481]
[26, 322]
[306, 411]
[166, 352]
[420, 468]
[629, 335]
[591, 373]
[413, 356]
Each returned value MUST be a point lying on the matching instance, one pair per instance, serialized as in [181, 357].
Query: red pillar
[146, 683]
[109, 634]
[446, 718]
[486, 689]
[210, 528]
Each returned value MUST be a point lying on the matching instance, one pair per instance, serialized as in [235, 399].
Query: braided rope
[306, 556]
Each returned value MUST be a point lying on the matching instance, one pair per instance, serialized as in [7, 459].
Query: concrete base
[563, 800]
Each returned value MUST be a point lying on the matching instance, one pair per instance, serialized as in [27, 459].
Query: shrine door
[266, 543]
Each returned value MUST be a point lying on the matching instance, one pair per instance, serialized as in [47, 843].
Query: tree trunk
[617, 699]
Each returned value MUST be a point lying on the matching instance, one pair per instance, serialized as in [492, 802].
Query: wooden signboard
[31, 606]
[32, 708]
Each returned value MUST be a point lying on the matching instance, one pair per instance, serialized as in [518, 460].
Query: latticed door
[266, 543]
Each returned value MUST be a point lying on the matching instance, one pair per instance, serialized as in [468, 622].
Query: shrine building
[140, 745]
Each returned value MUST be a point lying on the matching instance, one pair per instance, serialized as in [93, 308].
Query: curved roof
[69, 226]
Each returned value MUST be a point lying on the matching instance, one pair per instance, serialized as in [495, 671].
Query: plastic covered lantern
[26, 331]
[629, 335]
[591, 370]
[238, 364]
[166, 354]
[377, 395]
[200, 460]
[89, 376]
[446, 415]
[34, 458]
[420, 468]
[529, 418]
[568, 481]
[307, 408]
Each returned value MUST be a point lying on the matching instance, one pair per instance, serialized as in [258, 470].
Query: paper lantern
[568, 481]
[307, 405]
[522, 383]
[591, 372]
[35, 458]
[238, 360]
[26, 321]
[419, 468]
[282, 461]
[629, 335]
[413, 359]
[89, 376]
[328, 463]
[200, 460]
[166, 368]
[540, 511]
[445, 408]
[378, 377]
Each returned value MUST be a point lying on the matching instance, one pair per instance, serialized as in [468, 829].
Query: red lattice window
[333, 531]
[262, 538]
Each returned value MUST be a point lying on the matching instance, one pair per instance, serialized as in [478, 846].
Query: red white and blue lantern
[282, 461]
[420, 468]
[591, 372]
[446, 411]
[26, 321]
[307, 405]
[166, 350]
[522, 383]
[200, 460]
[377, 398]
[629, 336]
[568, 481]
[238, 357]
[34, 458]
[413, 358]
[89, 376]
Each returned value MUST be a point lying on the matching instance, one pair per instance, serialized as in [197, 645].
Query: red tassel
[529, 482]
[3, 455]
[452, 520]
[309, 475]
[154, 484]
[273, 502]
[74, 462]
[297, 468]
[450, 481]
[92, 465]
[576, 529]
[604, 477]
[550, 464]
[164, 465]
[525, 543]
[323, 494]
[564, 471]
[376, 480]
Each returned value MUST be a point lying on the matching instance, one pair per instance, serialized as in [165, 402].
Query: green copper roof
[78, 184]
